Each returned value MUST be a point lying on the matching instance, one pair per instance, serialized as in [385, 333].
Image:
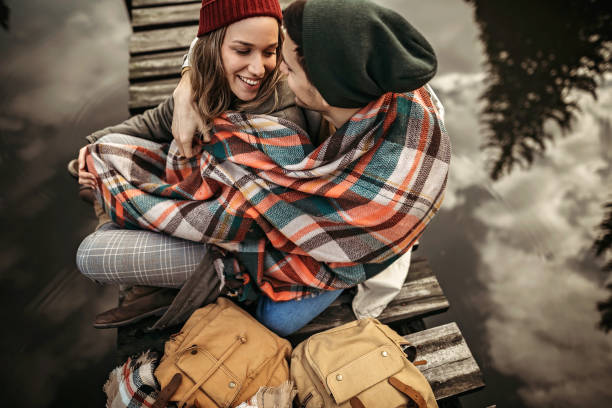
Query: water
[513, 256]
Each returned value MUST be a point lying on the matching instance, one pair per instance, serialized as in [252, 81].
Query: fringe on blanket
[133, 384]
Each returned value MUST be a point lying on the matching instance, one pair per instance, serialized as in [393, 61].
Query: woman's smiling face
[248, 54]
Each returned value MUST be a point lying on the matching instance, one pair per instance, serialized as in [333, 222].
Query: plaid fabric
[298, 218]
[134, 257]
[133, 384]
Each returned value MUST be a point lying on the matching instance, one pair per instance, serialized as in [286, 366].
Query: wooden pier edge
[450, 367]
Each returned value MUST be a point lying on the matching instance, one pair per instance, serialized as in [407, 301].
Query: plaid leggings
[136, 257]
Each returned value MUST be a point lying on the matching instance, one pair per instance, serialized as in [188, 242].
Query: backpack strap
[356, 403]
[408, 391]
[164, 395]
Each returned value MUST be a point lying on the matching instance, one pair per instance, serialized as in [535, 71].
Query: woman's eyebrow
[248, 44]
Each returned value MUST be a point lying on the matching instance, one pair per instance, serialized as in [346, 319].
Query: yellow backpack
[224, 356]
[358, 364]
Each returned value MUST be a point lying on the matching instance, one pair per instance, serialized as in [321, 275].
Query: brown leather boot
[140, 302]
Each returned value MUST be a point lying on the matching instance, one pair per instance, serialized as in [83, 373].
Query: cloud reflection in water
[535, 261]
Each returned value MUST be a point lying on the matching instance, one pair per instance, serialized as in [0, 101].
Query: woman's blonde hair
[211, 90]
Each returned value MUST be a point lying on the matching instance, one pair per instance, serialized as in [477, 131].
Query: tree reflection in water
[538, 52]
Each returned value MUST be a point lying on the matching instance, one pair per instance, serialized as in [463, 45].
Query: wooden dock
[162, 32]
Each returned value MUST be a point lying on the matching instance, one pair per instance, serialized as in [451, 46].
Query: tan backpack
[224, 356]
[359, 364]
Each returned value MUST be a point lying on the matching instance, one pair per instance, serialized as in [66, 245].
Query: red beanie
[215, 14]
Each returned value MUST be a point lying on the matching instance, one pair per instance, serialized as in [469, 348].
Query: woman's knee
[137, 257]
[85, 259]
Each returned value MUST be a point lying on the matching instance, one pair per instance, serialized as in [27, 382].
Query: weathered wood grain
[421, 295]
[146, 95]
[188, 13]
[164, 39]
[450, 369]
[147, 3]
[156, 65]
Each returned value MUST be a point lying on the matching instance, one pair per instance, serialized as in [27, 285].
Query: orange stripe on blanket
[301, 274]
[279, 295]
[255, 160]
[157, 222]
[375, 214]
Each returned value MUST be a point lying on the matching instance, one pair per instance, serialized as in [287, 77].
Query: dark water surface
[513, 256]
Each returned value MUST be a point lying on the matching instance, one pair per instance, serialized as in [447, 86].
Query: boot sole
[157, 312]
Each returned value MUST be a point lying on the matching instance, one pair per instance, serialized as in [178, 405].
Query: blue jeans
[284, 318]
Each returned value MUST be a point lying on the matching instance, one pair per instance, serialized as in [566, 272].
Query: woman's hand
[85, 178]
[186, 121]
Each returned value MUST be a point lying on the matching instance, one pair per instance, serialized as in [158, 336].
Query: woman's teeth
[249, 81]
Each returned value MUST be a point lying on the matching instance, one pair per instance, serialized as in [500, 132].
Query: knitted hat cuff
[215, 14]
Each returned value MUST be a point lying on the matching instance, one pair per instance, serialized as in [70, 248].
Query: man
[340, 56]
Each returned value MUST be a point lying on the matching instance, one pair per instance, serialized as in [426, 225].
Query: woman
[235, 66]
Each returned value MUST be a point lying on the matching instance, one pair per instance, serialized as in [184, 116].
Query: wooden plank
[148, 3]
[420, 296]
[156, 65]
[164, 39]
[156, 16]
[450, 369]
[150, 94]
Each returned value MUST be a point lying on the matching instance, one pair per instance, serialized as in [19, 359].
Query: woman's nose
[256, 66]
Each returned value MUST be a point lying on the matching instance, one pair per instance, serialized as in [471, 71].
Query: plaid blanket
[133, 384]
[294, 218]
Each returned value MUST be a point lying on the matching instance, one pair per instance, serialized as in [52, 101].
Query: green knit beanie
[356, 51]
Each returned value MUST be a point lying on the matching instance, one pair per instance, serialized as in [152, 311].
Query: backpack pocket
[364, 372]
[222, 386]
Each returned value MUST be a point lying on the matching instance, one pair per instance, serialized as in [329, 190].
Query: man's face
[306, 95]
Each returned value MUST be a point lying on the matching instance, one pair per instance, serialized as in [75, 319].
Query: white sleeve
[187, 57]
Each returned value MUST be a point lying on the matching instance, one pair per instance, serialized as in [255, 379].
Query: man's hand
[85, 177]
[186, 121]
